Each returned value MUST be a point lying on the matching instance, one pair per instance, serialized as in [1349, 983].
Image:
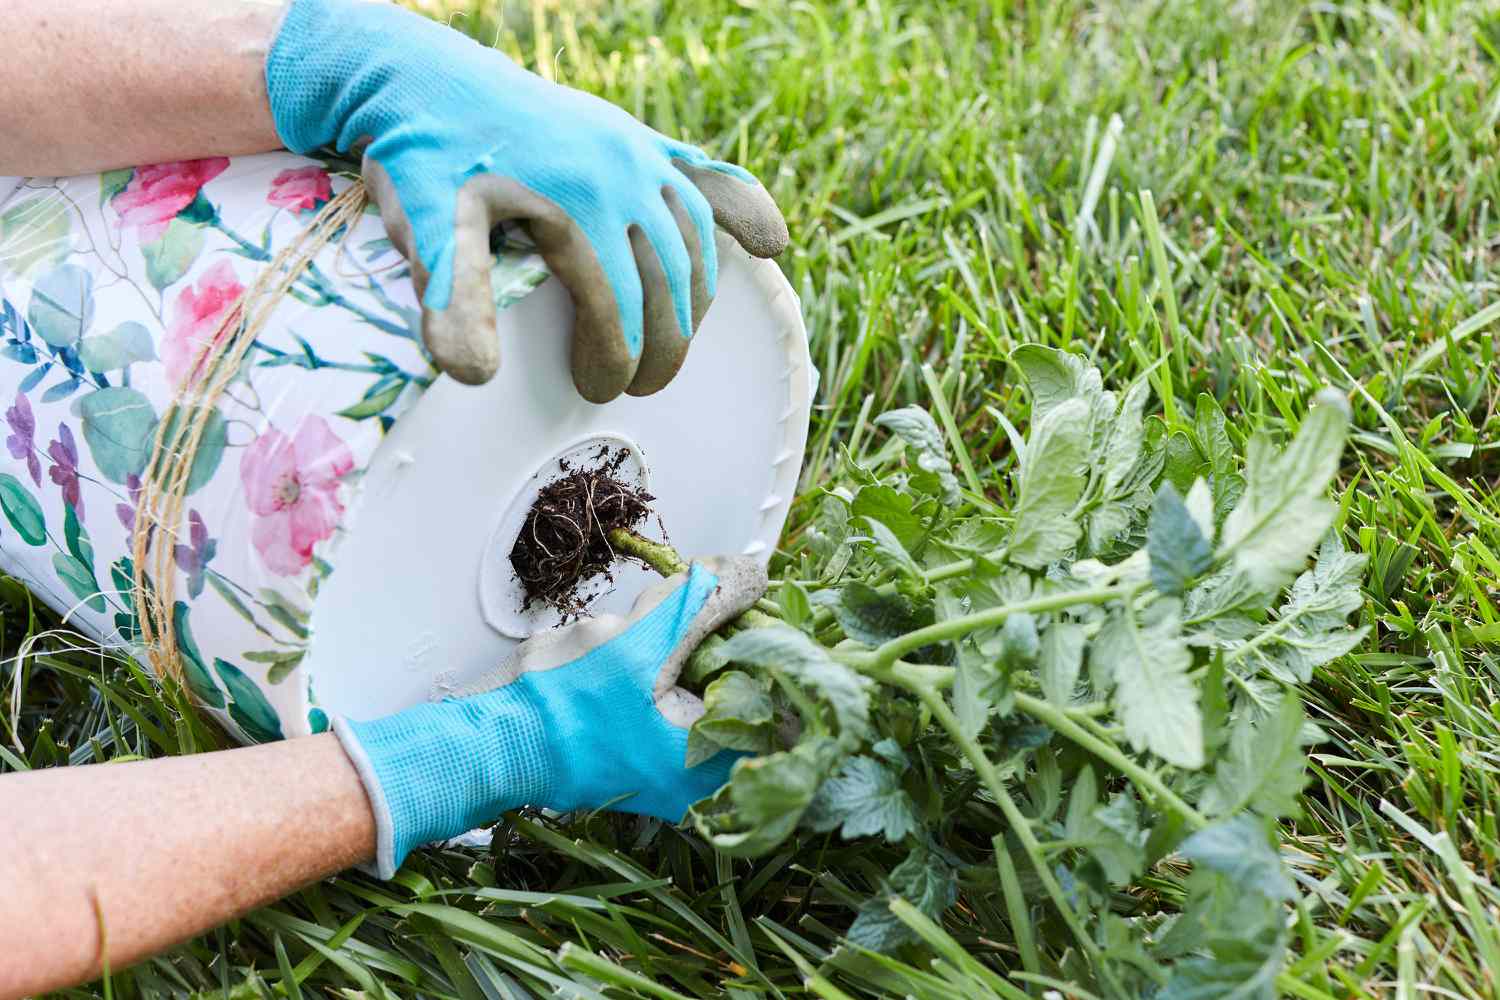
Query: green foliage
[1053, 476]
[1284, 510]
[1180, 552]
[916, 427]
[737, 716]
[1146, 661]
[1024, 617]
[247, 706]
[865, 798]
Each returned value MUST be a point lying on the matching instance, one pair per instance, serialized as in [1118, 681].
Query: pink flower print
[64, 472]
[126, 511]
[196, 319]
[157, 193]
[292, 488]
[21, 442]
[193, 558]
[303, 189]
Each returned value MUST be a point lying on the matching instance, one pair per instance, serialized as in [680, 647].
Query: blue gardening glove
[580, 717]
[461, 138]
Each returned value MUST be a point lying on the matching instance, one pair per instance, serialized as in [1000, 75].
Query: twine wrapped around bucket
[164, 484]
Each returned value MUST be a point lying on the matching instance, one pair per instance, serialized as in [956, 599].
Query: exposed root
[564, 541]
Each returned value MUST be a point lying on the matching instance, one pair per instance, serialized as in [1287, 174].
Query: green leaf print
[170, 257]
[317, 720]
[248, 707]
[79, 580]
[35, 233]
[112, 182]
[376, 400]
[22, 510]
[193, 671]
[62, 305]
[76, 566]
[233, 600]
[280, 662]
[200, 210]
[210, 447]
[118, 426]
[122, 575]
[77, 538]
[124, 345]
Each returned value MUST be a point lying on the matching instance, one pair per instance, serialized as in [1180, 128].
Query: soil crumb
[564, 541]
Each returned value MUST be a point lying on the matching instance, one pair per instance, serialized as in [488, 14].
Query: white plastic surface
[403, 619]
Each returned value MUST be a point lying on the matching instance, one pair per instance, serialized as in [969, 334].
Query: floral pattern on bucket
[111, 287]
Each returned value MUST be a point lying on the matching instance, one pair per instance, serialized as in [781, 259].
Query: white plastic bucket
[351, 513]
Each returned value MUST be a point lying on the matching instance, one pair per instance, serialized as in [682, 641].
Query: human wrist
[437, 770]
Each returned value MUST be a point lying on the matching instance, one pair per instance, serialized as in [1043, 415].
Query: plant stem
[985, 768]
[951, 628]
[1058, 720]
[658, 555]
[664, 559]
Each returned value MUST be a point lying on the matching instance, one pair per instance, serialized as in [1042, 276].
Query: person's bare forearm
[157, 851]
[90, 85]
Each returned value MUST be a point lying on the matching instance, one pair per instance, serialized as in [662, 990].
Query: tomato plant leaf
[1285, 510]
[1053, 475]
[1111, 833]
[904, 515]
[888, 549]
[866, 615]
[1179, 551]
[1265, 768]
[785, 649]
[1060, 661]
[924, 441]
[737, 716]
[924, 879]
[1147, 663]
[1055, 377]
[765, 798]
[865, 797]
[1240, 850]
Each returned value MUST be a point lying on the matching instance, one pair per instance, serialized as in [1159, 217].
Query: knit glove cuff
[436, 770]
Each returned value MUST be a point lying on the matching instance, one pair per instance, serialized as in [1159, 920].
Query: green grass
[1257, 199]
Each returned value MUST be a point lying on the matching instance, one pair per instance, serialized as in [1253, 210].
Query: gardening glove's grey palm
[585, 716]
[461, 138]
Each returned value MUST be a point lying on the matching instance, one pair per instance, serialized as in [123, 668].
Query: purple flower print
[64, 472]
[126, 511]
[193, 557]
[22, 431]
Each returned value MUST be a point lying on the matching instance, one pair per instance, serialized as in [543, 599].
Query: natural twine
[158, 513]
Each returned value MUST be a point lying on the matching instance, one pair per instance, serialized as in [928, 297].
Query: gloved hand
[579, 717]
[461, 138]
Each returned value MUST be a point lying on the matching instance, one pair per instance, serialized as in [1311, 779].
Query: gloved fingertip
[462, 339]
[743, 208]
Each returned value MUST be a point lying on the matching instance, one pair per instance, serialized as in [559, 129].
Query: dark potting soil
[564, 541]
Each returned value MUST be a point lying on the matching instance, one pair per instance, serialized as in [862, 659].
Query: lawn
[1238, 205]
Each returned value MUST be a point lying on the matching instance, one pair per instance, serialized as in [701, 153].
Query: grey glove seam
[384, 866]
